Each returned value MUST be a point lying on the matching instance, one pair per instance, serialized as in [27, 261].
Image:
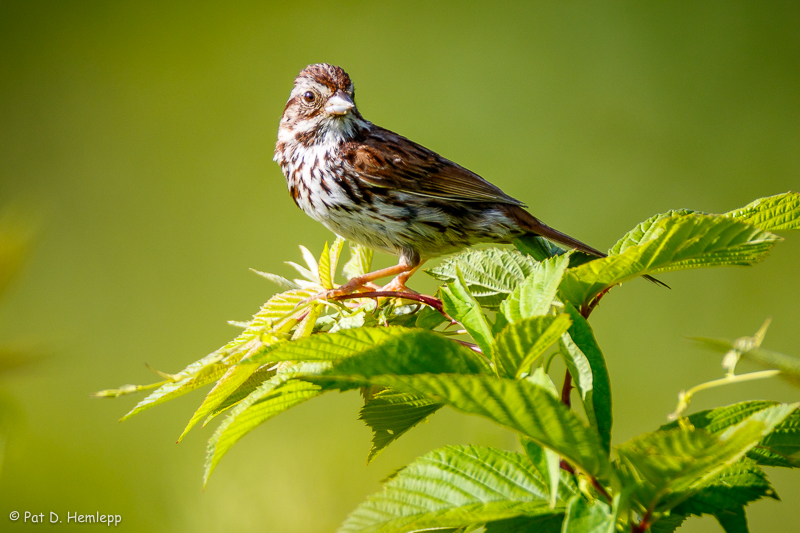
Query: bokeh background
[141, 134]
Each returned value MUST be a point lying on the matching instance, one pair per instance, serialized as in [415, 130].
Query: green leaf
[306, 326]
[519, 344]
[415, 352]
[360, 261]
[280, 281]
[225, 386]
[720, 419]
[676, 242]
[542, 379]
[780, 448]
[774, 213]
[587, 366]
[324, 268]
[270, 399]
[490, 274]
[695, 241]
[588, 517]
[390, 414]
[354, 321]
[645, 231]
[668, 523]
[274, 316]
[548, 523]
[335, 252]
[736, 486]
[429, 318]
[328, 261]
[500, 322]
[547, 464]
[669, 466]
[327, 347]
[172, 390]
[262, 374]
[733, 520]
[312, 272]
[536, 294]
[459, 304]
[281, 306]
[277, 315]
[453, 487]
[519, 405]
[538, 247]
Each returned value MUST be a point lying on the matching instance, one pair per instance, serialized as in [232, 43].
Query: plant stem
[601, 489]
[644, 525]
[566, 389]
[472, 346]
[585, 311]
[685, 397]
[430, 301]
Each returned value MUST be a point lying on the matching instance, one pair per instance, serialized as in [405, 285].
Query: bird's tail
[535, 227]
[543, 230]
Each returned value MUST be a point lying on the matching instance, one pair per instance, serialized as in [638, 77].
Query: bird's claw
[348, 288]
[397, 286]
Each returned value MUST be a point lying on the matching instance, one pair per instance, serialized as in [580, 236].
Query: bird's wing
[387, 160]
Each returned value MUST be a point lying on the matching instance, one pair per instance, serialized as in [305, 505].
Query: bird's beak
[339, 104]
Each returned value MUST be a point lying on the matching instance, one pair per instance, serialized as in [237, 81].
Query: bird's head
[321, 107]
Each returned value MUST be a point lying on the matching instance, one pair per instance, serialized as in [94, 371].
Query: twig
[430, 301]
[472, 346]
[566, 389]
[587, 309]
[685, 396]
[601, 489]
[644, 525]
[565, 466]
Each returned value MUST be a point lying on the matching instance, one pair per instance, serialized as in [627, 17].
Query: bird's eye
[308, 97]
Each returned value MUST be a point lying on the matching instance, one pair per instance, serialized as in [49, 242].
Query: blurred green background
[142, 132]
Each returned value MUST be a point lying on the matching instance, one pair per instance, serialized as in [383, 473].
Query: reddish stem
[474, 347]
[601, 489]
[585, 311]
[566, 389]
[642, 526]
[430, 301]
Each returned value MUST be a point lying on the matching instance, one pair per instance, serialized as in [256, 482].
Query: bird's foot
[344, 290]
[397, 285]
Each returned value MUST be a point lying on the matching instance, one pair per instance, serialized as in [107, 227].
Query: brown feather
[535, 226]
[387, 160]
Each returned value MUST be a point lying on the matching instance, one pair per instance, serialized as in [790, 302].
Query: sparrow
[384, 191]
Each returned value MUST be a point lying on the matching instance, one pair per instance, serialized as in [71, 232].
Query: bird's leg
[402, 271]
[367, 279]
[398, 284]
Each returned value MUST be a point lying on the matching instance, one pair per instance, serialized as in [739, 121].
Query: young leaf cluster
[483, 347]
